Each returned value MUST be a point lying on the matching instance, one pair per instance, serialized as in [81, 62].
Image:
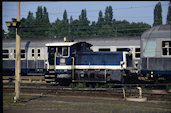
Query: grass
[87, 85]
[168, 87]
[108, 107]
[8, 100]
[86, 106]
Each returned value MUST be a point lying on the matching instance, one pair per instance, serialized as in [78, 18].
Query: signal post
[18, 58]
[16, 23]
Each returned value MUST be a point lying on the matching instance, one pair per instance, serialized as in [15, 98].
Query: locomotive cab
[59, 61]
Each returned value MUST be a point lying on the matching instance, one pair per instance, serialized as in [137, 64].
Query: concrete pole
[140, 92]
[18, 57]
[124, 93]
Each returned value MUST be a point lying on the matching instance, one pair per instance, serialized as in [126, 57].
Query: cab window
[65, 51]
[59, 51]
[62, 51]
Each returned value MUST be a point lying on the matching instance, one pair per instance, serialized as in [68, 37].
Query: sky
[132, 11]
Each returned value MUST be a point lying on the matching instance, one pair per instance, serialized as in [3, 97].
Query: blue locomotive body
[99, 66]
[99, 58]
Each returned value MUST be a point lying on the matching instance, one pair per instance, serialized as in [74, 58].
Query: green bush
[81, 85]
[97, 85]
[168, 87]
[71, 85]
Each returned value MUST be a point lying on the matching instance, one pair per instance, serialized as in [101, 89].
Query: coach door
[36, 55]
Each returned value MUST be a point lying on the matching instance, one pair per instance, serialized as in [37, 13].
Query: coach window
[32, 53]
[22, 52]
[166, 48]
[38, 53]
[104, 49]
[5, 53]
[137, 52]
[122, 49]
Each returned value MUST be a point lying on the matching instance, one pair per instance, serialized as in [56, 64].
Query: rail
[25, 79]
[48, 89]
[152, 91]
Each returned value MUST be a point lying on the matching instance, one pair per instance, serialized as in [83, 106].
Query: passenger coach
[156, 52]
[32, 57]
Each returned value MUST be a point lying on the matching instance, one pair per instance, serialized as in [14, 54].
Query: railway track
[44, 89]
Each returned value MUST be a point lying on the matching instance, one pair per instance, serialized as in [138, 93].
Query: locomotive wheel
[122, 80]
[64, 82]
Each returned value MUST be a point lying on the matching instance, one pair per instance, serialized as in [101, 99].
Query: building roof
[95, 41]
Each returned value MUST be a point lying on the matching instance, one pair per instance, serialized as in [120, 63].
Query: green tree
[83, 15]
[39, 13]
[106, 30]
[45, 15]
[71, 19]
[32, 27]
[100, 21]
[136, 29]
[93, 29]
[169, 14]
[75, 28]
[46, 23]
[25, 29]
[3, 33]
[40, 26]
[64, 25]
[56, 28]
[83, 28]
[124, 28]
[157, 14]
[108, 15]
[60, 28]
[27, 26]
[30, 16]
[70, 26]
[65, 18]
[41, 23]
[120, 27]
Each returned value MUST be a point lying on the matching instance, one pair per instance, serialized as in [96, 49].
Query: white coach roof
[60, 44]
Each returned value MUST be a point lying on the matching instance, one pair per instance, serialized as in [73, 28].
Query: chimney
[65, 39]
